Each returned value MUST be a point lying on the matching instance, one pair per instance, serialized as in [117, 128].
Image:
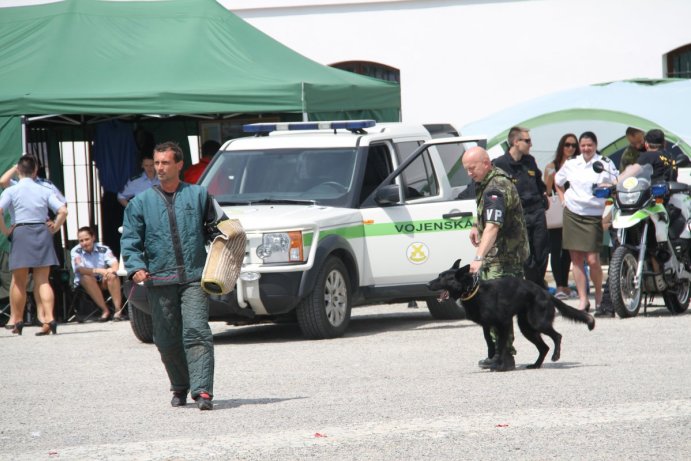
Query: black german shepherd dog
[493, 303]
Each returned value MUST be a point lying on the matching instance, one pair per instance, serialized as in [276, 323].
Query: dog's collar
[471, 295]
[472, 291]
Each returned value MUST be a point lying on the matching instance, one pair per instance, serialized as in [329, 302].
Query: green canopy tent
[67, 66]
[168, 57]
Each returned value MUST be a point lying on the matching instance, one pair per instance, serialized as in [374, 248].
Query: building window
[370, 69]
[679, 62]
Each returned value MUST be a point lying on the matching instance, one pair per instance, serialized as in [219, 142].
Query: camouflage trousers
[496, 270]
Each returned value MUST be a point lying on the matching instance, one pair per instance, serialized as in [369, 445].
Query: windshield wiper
[285, 201]
[232, 202]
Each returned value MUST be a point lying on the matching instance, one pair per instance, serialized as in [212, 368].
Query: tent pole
[305, 117]
[24, 123]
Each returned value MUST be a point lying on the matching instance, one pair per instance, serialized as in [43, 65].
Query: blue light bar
[301, 126]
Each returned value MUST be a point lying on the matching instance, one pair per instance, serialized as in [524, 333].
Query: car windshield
[295, 175]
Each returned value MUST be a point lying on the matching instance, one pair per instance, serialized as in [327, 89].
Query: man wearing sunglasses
[520, 166]
[527, 178]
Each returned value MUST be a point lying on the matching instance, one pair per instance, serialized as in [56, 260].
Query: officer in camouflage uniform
[500, 233]
[636, 146]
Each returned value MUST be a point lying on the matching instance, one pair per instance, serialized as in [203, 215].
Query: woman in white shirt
[582, 231]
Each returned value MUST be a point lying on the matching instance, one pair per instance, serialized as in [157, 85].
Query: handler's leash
[472, 290]
[150, 276]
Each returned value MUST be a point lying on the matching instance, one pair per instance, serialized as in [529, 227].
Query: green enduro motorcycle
[651, 257]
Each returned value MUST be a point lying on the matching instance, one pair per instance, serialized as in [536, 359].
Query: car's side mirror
[387, 195]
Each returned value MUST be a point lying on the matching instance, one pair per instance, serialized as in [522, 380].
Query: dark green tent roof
[164, 57]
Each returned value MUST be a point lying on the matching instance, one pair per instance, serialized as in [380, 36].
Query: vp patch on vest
[493, 206]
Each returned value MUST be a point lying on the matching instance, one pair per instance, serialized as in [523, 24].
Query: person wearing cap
[664, 166]
[665, 169]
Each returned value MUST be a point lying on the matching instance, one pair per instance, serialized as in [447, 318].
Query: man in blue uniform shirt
[139, 183]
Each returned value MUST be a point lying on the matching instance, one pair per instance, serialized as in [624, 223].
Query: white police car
[339, 214]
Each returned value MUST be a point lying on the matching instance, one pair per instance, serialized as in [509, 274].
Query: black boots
[493, 363]
[488, 362]
[204, 401]
[179, 399]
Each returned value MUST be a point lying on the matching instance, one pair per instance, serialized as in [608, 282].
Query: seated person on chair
[95, 269]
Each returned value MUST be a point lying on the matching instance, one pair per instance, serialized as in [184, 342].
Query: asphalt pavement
[398, 386]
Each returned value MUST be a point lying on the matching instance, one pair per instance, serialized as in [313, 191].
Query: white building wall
[463, 60]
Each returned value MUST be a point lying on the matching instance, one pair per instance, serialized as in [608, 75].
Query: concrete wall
[463, 60]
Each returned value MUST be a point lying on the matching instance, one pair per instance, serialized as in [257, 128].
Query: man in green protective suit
[163, 245]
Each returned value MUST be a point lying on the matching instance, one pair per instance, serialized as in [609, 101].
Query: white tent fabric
[606, 109]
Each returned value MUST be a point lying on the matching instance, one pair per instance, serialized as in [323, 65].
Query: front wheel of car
[445, 310]
[325, 313]
[142, 325]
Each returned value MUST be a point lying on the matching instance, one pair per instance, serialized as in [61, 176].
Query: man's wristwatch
[478, 258]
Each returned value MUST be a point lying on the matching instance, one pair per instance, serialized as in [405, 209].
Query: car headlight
[629, 198]
[281, 247]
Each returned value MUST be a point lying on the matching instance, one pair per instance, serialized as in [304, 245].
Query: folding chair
[5, 312]
[83, 308]
[30, 314]
[5, 279]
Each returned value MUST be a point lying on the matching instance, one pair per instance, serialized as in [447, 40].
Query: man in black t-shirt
[665, 169]
[664, 166]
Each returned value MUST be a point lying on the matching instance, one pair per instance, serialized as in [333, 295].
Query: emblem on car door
[417, 253]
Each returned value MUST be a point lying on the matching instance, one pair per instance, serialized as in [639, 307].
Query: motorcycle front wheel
[626, 298]
[677, 301]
